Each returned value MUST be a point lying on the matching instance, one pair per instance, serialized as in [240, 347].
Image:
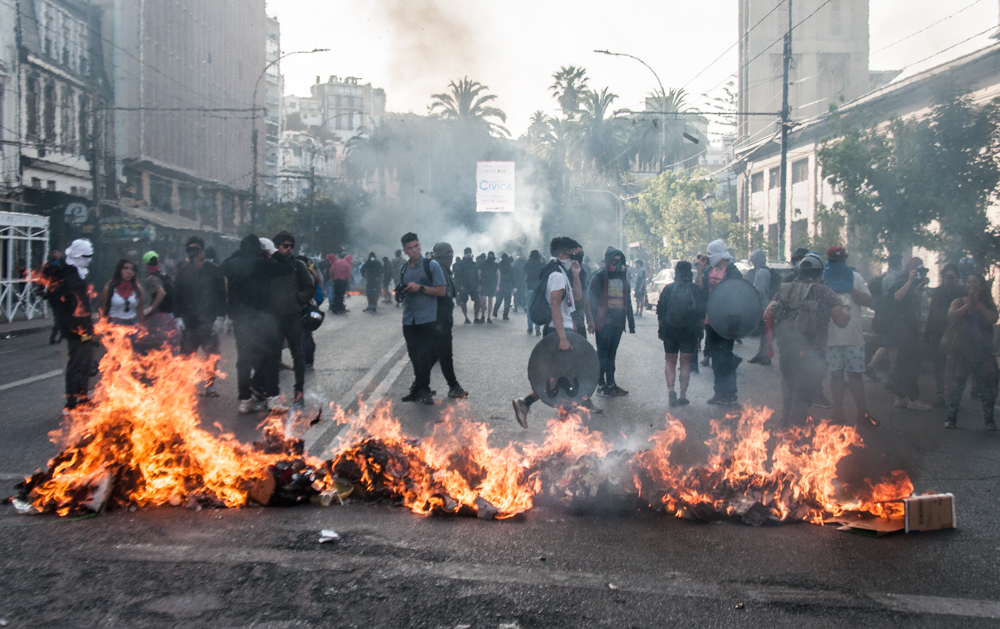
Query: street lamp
[663, 96]
[708, 202]
[253, 132]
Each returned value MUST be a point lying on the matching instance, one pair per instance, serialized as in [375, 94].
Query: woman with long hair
[122, 297]
[968, 342]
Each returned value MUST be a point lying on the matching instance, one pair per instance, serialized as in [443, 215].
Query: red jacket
[341, 268]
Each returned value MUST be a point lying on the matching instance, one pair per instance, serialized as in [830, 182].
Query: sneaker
[467, 322]
[754, 360]
[822, 402]
[521, 412]
[490, 321]
[672, 398]
[425, 397]
[617, 391]
[276, 403]
[479, 321]
[538, 332]
[764, 362]
[457, 392]
[530, 330]
[250, 406]
[715, 400]
[951, 423]
[682, 401]
[587, 404]
[409, 397]
[603, 390]
[210, 391]
[901, 402]
[256, 393]
[506, 318]
[729, 401]
[917, 405]
[299, 401]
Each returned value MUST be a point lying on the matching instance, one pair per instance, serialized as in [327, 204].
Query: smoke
[430, 45]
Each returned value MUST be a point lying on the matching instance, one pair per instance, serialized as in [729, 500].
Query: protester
[760, 277]
[937, 322]
[719, 267]
[800, 314]
[69, 292]
[885, 308]
[489, 284]
[466, 277]
[845, 349]
[248, 273]
[308, 342]
[563, 292]
[583, 316]
[968, 343]
[324, 272]
[680, 311]
[371, 271]
[387, 273]
[796, 258]
[122, 297]
[517, 275]
[532, 267]
[200, 306]
[640, 287]
[340, 274]
[290, 294]
[49, 270]
[422, 281]
[445, 321]
[505, 286]
[610, 297]
[904, 336]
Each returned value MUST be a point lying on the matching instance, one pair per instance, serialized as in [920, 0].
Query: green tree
[669, 219]
[569, 89]
[373, 153]
[466, 100]
[600, 139]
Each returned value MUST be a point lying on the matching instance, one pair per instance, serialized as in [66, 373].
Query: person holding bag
[968, 343]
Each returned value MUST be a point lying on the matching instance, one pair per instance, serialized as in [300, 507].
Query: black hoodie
[615, 309]
[249, 277]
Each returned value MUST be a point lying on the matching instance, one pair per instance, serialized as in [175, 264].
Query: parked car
[655, 287]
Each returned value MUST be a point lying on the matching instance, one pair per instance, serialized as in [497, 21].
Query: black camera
[921, 273]
[399, 292]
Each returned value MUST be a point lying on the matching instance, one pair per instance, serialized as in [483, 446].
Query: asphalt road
[547, 568]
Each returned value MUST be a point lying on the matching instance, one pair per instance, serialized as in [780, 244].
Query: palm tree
[569, 88]
[600, 139]
[466, 101]
[656, 141]
[373, 153]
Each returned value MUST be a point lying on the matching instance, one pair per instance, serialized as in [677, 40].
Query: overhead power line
[914, 34]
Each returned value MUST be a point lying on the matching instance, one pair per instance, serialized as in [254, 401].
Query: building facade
[274, 115]
[829, 62]
[343, 106]
[307, 165]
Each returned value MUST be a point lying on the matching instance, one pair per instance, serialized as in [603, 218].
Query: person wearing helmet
[800, 314]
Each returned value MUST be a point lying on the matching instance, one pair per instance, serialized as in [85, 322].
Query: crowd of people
[812, 317]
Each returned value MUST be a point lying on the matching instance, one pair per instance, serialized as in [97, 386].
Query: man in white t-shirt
[845, 348]
[564, 291]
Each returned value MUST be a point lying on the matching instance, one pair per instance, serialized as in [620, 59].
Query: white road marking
[44, 376]
[312, 435]
[967, 607]
[17, 477]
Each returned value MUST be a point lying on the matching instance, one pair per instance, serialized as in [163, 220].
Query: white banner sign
[494, 186]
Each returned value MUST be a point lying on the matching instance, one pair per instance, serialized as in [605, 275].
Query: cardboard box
[929, 512]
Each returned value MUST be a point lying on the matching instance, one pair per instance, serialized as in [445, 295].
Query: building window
[36, 182]
[800, 170]
[31, 105]
[757, 182]
[51, 184]
[68, 121]
[82, 117]
[49, 113]
[773, 178]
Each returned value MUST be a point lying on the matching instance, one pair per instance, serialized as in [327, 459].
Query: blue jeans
[527, 315]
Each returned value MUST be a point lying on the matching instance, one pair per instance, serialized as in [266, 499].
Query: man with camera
[421, 282]
[904, 337]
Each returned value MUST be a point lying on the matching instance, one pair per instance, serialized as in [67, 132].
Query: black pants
[78, 369]
[372, 293]
[608, 339]
[442, 343]
[904, 376]
[339, 290]
[290, 331]
[420, 341]
[503, 297]
[258, 350]
[308, 347]
[802, 368]
[720, 350]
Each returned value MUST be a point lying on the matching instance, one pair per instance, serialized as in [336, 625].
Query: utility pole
[783, 196]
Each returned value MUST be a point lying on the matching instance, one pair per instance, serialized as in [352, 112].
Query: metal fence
[24, 240]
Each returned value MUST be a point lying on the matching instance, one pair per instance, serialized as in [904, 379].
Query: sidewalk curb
[14, 330]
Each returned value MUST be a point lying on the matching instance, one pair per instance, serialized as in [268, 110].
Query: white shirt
[560, 281]
[852, 334]
[117, 310]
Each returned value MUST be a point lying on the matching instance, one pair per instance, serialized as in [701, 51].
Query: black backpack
[681, 307]
[540, 310]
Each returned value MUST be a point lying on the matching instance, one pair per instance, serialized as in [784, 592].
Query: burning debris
[140, 444]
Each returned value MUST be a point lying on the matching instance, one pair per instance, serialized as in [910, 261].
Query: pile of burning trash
[140, 443]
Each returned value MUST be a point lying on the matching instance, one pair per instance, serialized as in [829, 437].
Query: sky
[413, 48]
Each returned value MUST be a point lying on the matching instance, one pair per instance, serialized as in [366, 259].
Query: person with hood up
[610, 297]
[760, 277]
[249, 272]
[371, 271]
[489, 284]
[505, 292]
[717, 267]
[845, 347]
[340, 275]
[386, 279]
[69, 292]
[532, 267]
[679, 313]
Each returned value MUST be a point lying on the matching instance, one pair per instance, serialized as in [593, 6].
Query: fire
[141, 443]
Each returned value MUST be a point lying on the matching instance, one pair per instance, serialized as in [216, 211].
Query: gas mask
[617, 265]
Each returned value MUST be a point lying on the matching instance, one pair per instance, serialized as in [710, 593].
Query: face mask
[616, 266]
[567, 263]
